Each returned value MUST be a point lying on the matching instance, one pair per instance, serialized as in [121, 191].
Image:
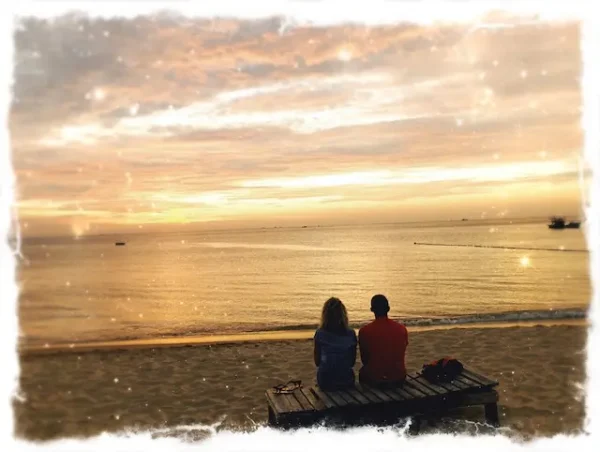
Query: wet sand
[79, 394]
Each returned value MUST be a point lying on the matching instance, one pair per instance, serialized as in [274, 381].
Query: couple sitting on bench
[382, 345]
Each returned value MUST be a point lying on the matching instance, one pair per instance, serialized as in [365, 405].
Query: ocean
[228, 282]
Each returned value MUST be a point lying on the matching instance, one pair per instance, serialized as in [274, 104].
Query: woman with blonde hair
[335, 347]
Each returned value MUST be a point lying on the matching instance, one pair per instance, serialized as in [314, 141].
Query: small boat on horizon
[119, 243]
[560, 223]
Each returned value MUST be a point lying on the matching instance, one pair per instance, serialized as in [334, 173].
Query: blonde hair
[334, 317]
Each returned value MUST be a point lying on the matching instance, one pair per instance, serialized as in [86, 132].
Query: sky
[165, 123]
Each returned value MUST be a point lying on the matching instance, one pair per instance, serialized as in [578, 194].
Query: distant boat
[465, 219]
[560, 223]
[119, 243]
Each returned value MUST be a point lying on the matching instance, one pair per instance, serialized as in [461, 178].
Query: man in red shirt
[382, 345]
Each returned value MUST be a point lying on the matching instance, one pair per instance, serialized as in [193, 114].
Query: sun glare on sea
[525, 261]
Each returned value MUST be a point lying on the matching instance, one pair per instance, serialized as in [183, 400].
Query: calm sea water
[223, 282]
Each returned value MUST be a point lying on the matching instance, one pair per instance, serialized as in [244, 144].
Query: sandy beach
[540, 369]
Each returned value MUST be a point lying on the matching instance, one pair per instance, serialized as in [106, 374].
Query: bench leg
[491, 414]
[272, 420]
[415, 425]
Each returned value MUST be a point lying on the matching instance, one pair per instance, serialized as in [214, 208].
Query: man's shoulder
[366, 328]
[398, 324]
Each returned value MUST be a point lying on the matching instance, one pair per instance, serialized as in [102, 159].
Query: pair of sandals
[287, 388]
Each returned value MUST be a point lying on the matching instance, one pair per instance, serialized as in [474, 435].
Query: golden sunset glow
[238, 123]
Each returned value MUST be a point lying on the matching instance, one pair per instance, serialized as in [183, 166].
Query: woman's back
[337, 357]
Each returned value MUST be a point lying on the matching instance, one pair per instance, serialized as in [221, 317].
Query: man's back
[383, 345]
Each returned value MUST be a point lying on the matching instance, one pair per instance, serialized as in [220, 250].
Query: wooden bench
[416, 398]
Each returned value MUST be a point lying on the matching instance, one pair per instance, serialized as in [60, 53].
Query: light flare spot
[99, 94]
[344, 55]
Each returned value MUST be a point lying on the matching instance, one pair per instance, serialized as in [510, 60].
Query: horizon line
[299, 226]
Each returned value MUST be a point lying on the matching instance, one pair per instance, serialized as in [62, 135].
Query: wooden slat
[412, 392]
[290, 401]
[478, 377]
[450, 387]
[317, 404]
[398, 394]
[470, 383]
[438, 389]
[337, 398]
[367, 391]
[416, 388]
[372, 398]
[424, 385]
[278, 405]
[323, 397]
[476, 383]
[460, 385]
[409, 393]
[380, 394]
[283, 402]
[358, 396]
[435, 387]
[348, 397]
[304, 402]
[392, 394]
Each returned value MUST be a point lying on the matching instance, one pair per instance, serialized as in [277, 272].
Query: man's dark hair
[380, 305]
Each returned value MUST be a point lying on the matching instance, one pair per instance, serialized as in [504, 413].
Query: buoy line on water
[561, 250]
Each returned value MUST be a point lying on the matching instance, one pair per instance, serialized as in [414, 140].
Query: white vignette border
[317, 12]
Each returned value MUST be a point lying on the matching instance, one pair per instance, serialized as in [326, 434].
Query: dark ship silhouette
[560, 223]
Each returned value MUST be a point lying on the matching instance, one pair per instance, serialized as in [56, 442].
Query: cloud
[167, 119]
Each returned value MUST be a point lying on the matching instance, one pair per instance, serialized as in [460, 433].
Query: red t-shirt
[383, 345]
